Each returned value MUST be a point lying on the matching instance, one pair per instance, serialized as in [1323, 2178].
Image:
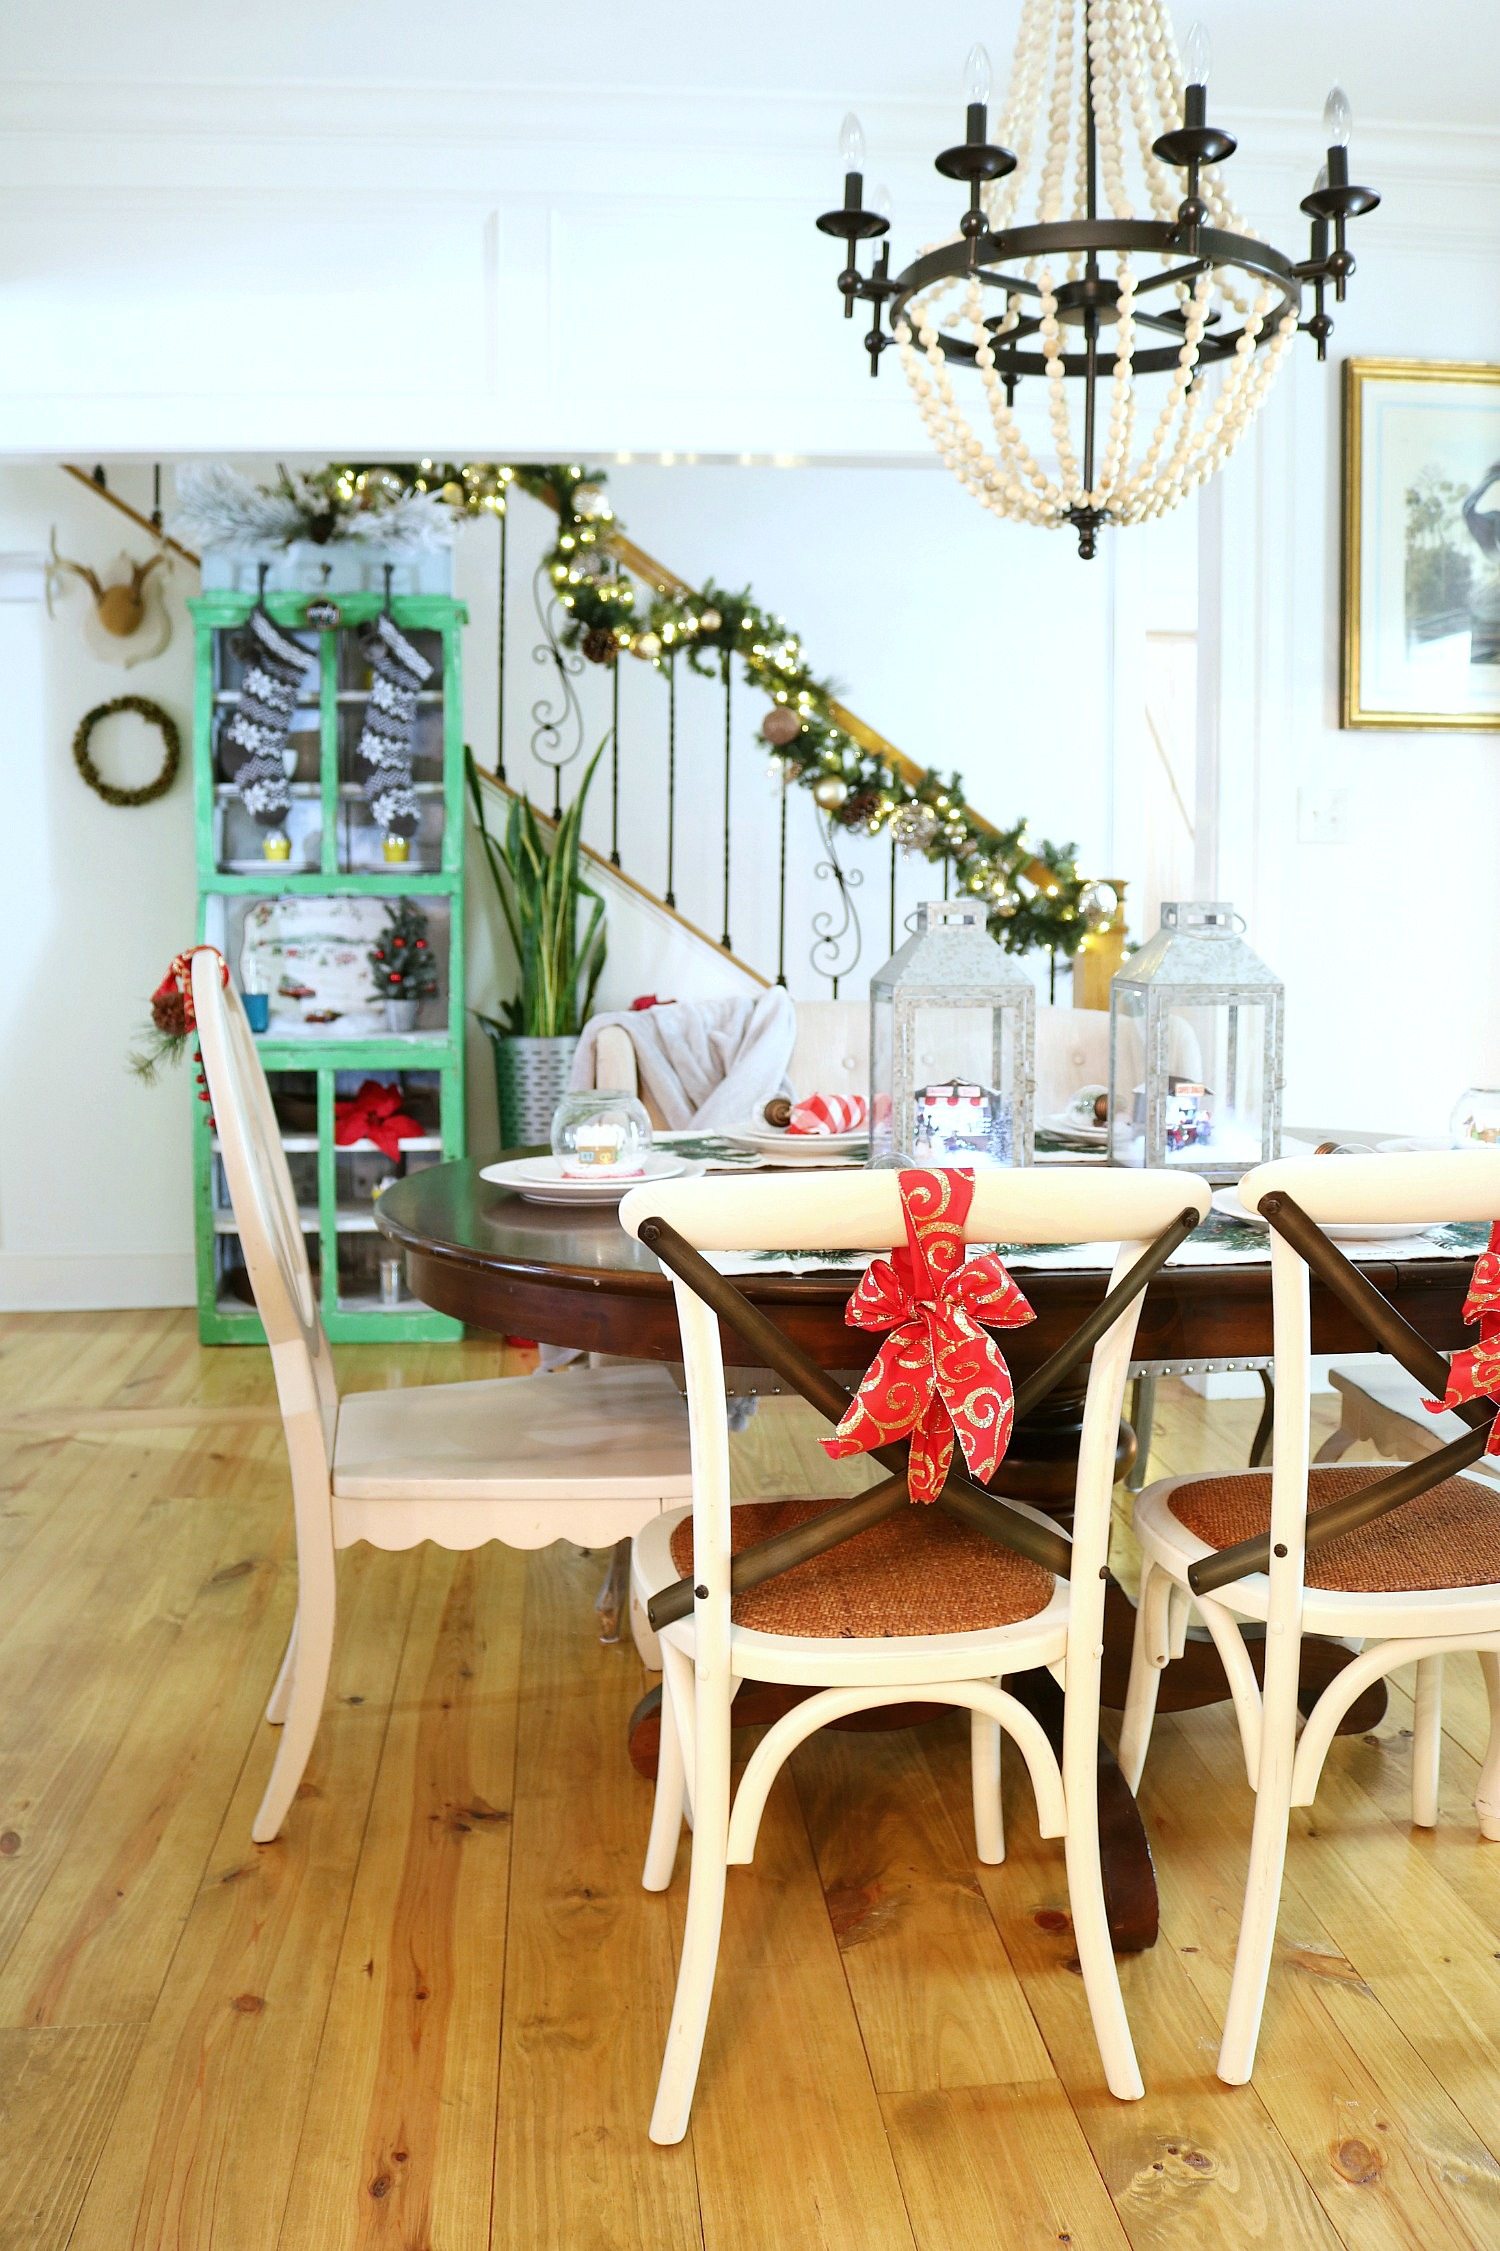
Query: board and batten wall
[149, 305]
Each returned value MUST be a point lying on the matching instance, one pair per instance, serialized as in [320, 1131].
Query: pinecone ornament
[599, 645]
[861, 812]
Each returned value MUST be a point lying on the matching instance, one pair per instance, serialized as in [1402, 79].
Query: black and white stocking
[256, 738]
[388, 741]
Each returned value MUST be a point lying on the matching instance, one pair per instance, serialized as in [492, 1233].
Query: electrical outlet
[1322, 816]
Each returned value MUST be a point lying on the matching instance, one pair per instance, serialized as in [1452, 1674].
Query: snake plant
[537, 871]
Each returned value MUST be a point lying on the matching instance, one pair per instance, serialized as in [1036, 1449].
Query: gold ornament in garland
[153, 714]
[1032, 888]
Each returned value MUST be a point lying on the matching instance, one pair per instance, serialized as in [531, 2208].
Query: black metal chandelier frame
[1090, 302]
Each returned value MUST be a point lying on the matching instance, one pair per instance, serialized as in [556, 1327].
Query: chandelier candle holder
[1103, 124]
[952, 1047]
[1195, 1048]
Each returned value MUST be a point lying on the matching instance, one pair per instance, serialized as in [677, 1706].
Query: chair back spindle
[264, 1201]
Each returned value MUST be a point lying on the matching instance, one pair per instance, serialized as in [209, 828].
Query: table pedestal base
[1190, 1682]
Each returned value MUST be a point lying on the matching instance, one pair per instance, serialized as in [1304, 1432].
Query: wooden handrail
[71, 469]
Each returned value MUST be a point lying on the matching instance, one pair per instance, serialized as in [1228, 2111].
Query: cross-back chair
[588, 1456]
[1405, 1560]
[871, 1600]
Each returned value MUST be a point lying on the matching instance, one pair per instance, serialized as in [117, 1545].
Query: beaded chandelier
[1102, 122]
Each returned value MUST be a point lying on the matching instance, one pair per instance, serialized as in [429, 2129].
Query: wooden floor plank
[1195, 2163]
[66, 1720]
[938, 2002]
[1006, 2166]
[58, 2092]
[785, 2097]
[398, 2148]
[589, 1961]
[114, 1872]
[201, 2153]
[1390, 2156]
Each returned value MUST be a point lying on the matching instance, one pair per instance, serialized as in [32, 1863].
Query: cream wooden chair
[589, 1456]
[946, 1612]
[1411, 1585]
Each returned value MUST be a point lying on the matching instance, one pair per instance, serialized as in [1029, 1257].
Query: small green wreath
[156, 717]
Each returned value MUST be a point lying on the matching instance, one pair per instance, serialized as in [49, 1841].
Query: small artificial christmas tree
[402, 963]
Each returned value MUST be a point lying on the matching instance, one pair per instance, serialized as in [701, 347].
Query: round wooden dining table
[575, 1278]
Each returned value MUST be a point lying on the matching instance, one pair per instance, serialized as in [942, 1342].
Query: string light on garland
[1033, 889]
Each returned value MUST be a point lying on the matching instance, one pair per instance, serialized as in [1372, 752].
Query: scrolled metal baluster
[557, 735]
[838, 940]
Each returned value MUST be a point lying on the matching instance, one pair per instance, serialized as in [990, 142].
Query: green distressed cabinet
[299, 929]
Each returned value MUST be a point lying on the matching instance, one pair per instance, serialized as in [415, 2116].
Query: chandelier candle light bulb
[1136, 264]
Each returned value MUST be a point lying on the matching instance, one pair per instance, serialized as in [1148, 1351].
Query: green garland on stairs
[1035, 894]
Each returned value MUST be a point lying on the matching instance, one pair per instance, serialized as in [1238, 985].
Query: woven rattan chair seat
[917, 1573]
[1449, 1537]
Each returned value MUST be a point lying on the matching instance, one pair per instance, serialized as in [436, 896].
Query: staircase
[718, 875]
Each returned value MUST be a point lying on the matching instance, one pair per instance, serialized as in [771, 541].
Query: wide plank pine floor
[429, 2018]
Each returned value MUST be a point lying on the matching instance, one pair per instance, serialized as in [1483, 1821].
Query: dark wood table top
[480, 1253]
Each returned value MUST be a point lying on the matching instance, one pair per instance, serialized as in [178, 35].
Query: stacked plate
[541, 1180]
[1227, 1204]
[779, 1147]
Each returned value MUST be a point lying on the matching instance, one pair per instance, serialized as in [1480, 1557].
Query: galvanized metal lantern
[952, 1046]
[1195, 1048]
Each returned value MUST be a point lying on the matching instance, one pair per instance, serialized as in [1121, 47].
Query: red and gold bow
[373, 1113]
[937, 1373]
[1475, 1372]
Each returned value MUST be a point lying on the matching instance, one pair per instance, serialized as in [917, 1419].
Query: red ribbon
[373, 1113]
[1475, 1372]
[937, 1373]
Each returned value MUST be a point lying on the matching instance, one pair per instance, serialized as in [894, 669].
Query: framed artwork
[1421, 592]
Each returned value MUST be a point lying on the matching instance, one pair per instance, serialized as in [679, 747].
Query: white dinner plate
[1227, 1204]
[540, 1180]
[1066, 1128]
[801, 1148]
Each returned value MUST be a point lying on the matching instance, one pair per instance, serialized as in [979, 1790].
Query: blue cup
[257, 1010]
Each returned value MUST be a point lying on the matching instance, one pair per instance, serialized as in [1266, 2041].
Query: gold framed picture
[1421, 548]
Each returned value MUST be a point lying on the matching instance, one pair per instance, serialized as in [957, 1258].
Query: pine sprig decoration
[1032, 887]
[218, 507]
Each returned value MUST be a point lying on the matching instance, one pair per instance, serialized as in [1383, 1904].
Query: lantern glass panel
[952, 1046]
[1195, 1048]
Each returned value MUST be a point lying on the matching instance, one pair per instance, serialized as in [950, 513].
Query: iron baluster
[670, 894]
[834, 933]
[504, 520]
[781, 895]
[614, 764]
[725, 941]
[557, 735]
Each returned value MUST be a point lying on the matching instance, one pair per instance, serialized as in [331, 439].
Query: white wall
[1388, 942]
[95, 1169]
[200, 267]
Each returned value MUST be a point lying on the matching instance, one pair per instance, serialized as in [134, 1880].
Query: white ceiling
[1437, 63]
